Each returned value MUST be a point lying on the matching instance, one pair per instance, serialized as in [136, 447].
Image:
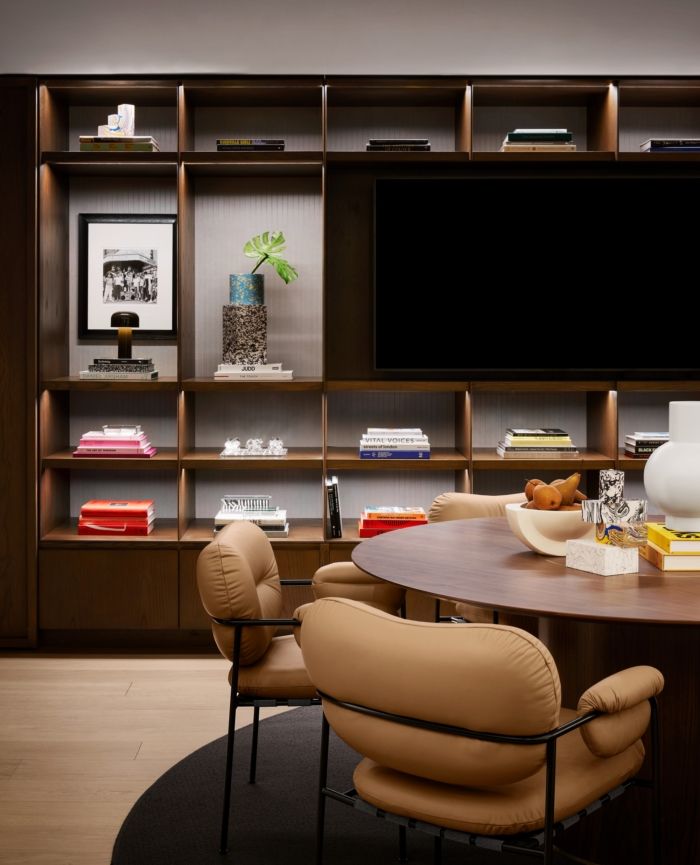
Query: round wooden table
[593, 626]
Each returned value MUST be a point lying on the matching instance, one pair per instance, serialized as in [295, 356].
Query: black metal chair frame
[249, 700]
[539, 843]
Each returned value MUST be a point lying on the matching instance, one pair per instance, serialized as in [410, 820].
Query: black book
[124, 361]
[241, 147]
[398, 148]
[398, 141]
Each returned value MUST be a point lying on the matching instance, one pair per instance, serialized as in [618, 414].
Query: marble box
[601, 558]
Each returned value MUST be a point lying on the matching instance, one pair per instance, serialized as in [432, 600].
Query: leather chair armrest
[623, 701]
[346, 580]
[466, 506]
[299, 614]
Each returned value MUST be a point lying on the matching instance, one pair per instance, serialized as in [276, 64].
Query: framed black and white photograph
[127, 263]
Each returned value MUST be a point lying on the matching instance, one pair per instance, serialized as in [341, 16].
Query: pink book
[115, 452]
[122, 442]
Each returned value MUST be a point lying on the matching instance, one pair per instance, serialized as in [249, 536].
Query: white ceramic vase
[672, 472]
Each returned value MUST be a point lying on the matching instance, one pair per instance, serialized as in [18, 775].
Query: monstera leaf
[266, 247]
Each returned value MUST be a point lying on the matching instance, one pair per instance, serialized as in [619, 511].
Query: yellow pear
[568, 488]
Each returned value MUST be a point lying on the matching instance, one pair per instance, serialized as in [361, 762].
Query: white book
[650, 435]
[281, 375]
[537, 147]
[394, 446]
[249, 367]
[119, 376]
[541, 131]
[385, 430]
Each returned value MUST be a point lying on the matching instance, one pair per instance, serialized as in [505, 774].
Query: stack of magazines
[115, 442]
[121, 369]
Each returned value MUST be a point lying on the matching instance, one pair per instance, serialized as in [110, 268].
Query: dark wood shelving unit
[296, 458]
[166, 458]
[324, 170]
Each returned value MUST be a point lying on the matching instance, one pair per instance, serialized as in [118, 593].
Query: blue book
[394, 455]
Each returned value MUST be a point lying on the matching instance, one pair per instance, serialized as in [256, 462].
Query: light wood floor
[82, 738]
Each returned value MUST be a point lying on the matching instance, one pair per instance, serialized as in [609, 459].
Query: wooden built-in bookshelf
[320, 191]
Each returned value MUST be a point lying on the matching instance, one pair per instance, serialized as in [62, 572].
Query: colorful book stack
[538, 141]
[549, 443]
[121, 369]
[386, 443]
[670, 145]
[107, 517]
[640, 444]
[394, 145]
[334, 524]
[378, 520]
[115, 442]
[101, 143]
[245, 144]
[253, 509]
[670, 550]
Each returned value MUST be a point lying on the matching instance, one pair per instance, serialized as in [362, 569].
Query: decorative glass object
[254, 448]
[672, 472]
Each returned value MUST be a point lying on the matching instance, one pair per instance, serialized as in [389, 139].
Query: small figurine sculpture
[254, 448]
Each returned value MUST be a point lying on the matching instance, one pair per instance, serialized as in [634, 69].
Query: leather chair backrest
[488, 678]
[238, 578]
[468, 506]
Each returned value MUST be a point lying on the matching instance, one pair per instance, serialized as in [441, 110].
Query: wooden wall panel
[17, 361]
[98, 589]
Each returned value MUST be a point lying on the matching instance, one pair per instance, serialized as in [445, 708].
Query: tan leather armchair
[346, 580]
[461, 727]
[240, 589]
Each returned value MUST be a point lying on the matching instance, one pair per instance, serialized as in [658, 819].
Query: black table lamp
[124, 321]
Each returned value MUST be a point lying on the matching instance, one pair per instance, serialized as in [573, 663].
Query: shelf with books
[200, 531]
[488, 458]
[252, 108]
[586, 108]
[74, 382]
[166, 458]
[65, 534]
[658, 108]
[204, 383]
[110, 164]
[436, 109]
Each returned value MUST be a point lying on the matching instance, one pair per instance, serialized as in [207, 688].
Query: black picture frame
[130, 267]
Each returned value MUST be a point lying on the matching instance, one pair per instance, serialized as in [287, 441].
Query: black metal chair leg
[437, 609]
[403, 847]
[549, 802]
[254, 745]
[655, 782]
[223, 847]
[495, 616]
[322, 780]
[437, 850]
[230, 740]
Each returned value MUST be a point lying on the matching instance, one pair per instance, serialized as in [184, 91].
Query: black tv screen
[552, 275]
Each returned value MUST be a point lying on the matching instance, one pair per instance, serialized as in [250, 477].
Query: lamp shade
[124, 319]
[672, 472]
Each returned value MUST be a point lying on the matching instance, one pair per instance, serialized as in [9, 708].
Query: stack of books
[640, 445]
[386, 443]
[670, 145]
[253, 509]
[334, 523]
[543, 443]
[378, 520]
[670, 550]
[538, 141]
[140, 143]
[119, 368]
[254, 371]
[107, 517]
[394, 145]
[115, 442]
[242, 144]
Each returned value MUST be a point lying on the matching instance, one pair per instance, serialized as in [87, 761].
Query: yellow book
[671, 541]
[670, 561]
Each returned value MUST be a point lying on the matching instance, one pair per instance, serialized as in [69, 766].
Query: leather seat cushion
[280, 673]
[506, 810]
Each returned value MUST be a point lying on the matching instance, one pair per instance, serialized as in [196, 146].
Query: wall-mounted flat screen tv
[570, 276]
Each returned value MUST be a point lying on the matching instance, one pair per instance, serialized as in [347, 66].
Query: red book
[371, 532]
[122, 529]
[118, 508]
[389, 524]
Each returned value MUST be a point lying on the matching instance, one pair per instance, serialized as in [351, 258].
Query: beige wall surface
[442, 37]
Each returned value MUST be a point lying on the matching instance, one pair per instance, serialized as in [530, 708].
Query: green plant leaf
[266, 247]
